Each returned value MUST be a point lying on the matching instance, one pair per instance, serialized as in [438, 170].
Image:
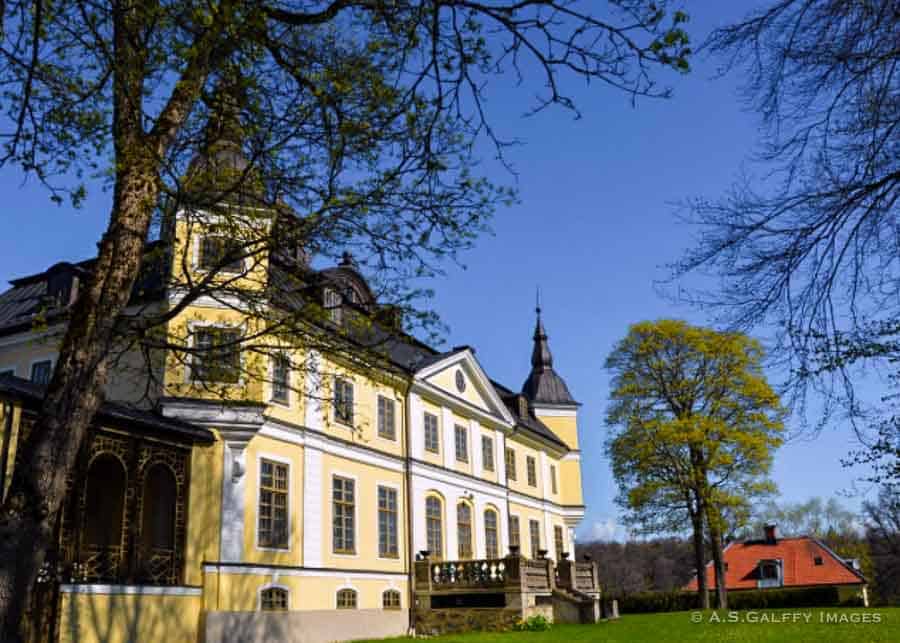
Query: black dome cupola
[544, 385]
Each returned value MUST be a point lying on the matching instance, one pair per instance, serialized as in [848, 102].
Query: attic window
[332, 301]
[818, 560]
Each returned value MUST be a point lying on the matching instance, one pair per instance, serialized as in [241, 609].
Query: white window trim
[271, 385]
[432, 493]
[400, 544]
[198, 236]
[334, 419]
[397, 405]
[425, 433]
[44, 358]
[357, 498]
[262, 588]
[290, 514]
[189, 363]
[518, 518]
[389, 588]
[343, 587]
[473, 524]
[465, 429]
[493, 470]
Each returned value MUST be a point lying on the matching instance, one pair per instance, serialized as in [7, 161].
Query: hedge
[644, 602]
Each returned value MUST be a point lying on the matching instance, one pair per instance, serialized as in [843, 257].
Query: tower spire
[543, 384]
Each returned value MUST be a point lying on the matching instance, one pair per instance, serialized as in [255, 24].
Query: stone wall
[431, 622]
[311, 626]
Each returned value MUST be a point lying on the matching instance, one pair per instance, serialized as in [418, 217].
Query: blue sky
[594, 229]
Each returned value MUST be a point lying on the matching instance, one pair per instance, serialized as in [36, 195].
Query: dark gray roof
[543, 384]
[32, 393]
[526, 422]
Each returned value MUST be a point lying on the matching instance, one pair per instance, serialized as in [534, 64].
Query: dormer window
[332, 302]
[218, 252]
[769, 574]
[62, 286]
[818, 560]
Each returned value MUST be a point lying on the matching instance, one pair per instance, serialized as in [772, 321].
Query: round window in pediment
[460, 381]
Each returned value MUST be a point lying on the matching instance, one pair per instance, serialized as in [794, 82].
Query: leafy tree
[361, 115]
[809, 244]
[883, 536]
[693, 424]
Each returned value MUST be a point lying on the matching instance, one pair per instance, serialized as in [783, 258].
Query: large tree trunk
[715, 537]
[700, 557]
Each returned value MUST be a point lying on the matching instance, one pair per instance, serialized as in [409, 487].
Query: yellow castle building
[321, 501]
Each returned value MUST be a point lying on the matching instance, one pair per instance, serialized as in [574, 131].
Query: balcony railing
[510, 574]
[581, 577]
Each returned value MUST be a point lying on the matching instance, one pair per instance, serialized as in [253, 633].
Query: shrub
[646, 602]
[536, 623]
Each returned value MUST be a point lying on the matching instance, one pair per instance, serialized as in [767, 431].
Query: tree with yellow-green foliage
[693, 426]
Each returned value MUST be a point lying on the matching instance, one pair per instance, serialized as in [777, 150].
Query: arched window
[158, 520]
[434, 527]
[101, 541]
[346, 599]
[390, 599]
[273, 599]
[464, 530]
[491, 544]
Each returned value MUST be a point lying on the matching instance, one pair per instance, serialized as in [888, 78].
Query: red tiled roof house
[785, 563]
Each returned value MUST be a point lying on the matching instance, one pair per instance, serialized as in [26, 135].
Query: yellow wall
[446, 380]
[525, 514]
[566, 428]
[101, 618]
[570, 481]
[520, 484]
[204, 510]
[21, 354]
[240, 592]
[292, 454]
[367, 477]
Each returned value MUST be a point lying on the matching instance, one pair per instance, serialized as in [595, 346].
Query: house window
[281, 369]
[332, 301]
[431, 433]
[464, 530]
[510, 464]
[534, 529]
[217, 356]
[514, 531]
[462, 443]
[558, 542]
[487, 452]
[273, 599]
[273, 504]
[343, 401]
[553, 487]
[101, 538]
[390, 599]
[346, 599]
[41, 372]
[344, 508]
[768, 571]
[531, 469]
[218, 252]
[491, 542]
[387, 522]
[818, 560]
[434, 526]
[386, 426]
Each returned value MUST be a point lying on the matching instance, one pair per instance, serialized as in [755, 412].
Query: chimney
[770, 533]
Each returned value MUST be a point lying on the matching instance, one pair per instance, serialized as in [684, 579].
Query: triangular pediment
[460, 376]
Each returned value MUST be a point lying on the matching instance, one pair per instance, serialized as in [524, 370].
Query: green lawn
[758, 625]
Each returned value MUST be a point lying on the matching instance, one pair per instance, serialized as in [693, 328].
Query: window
[273, 599]
[346, 599]
[344, 508]
[281, 370]
[514, 531]
[510, 464]
[41, 372]
[158, 517]
[390, 599]
[464, 530]
[273, 504]
[431, 433]
[558, 541]
[386, 426]
[531, 470]
[553, 488]
[332, 302]
[818, 560]
[491, 542]
[220, 252]
[218, 355]
[434, 527]
[462, 443]
[103, 518]
[487, 453]
[387, 522]
[343, 401]
[534, 529]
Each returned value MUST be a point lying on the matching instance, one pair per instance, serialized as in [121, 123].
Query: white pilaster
[314, 417]
[449, 446]
[312, 507]
[475, 439]
[416, 428]
[231, 548]
[544, 464]
[500, 456]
